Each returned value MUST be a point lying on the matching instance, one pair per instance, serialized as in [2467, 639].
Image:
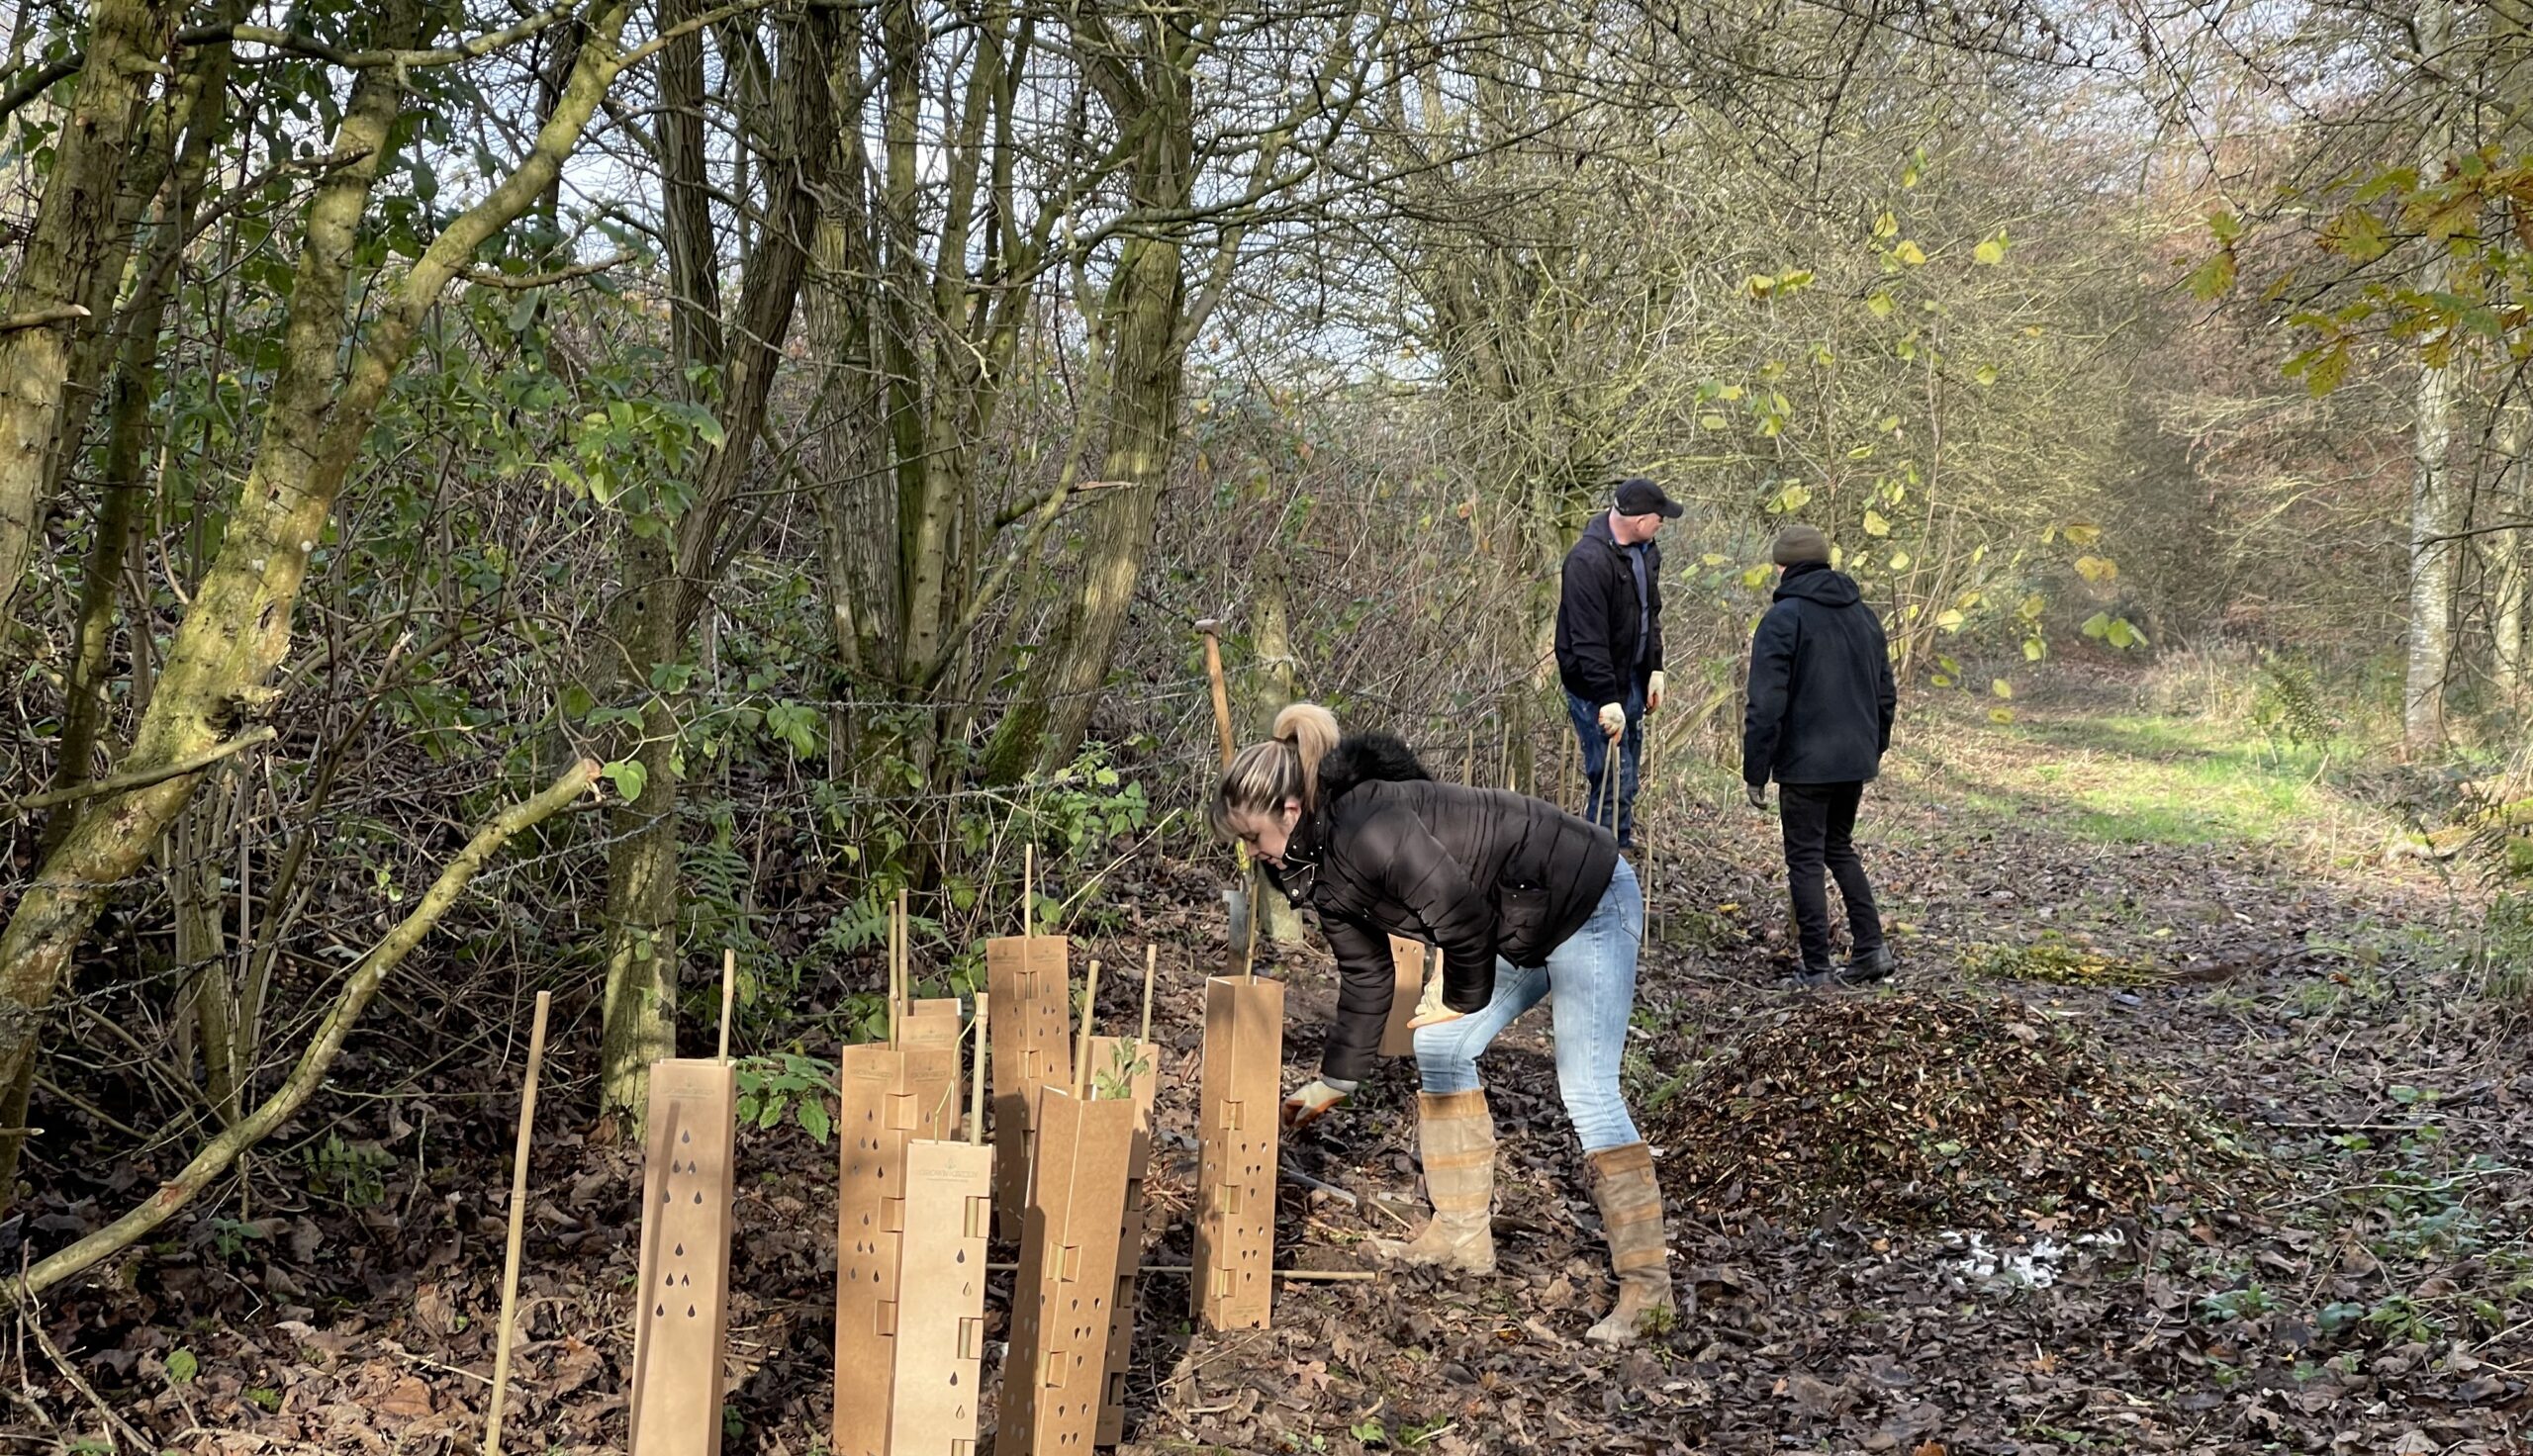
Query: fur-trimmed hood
[1366, 758]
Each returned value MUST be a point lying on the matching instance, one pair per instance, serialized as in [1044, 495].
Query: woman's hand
[1314, 1101]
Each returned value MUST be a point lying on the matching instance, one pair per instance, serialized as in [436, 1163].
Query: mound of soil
[1915, 1108]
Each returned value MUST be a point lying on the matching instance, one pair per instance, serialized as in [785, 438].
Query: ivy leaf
[628, 776]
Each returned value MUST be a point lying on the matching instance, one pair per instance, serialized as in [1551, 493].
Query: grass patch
[2146, 780]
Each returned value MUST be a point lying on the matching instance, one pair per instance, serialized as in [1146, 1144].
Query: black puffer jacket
[1596, 618]
[1481, 872]
[1821, 696]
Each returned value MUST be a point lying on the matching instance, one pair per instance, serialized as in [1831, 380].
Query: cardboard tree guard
[930, 1036]
[1029, 980]
[1124, 1064]
[1238, 1108]
[1407, 960]
[682, 1320]
[941, 1278]
[883, 1107]
[1052, 1377]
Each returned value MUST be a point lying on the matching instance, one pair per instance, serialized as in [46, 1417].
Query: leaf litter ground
[2266, 1195]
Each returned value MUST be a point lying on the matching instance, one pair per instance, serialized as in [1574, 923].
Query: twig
[143, 778]
[45, 1344]
[43, 318]
[521, 282]
[1331, 1189]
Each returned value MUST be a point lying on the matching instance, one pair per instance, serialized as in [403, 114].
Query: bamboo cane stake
[518, 1228]
[729, 993]
[977, 1089]
[1152, 959]
[1320, 1276]
[1082, 1056]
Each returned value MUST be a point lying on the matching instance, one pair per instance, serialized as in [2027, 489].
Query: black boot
[1867, 966]
[1812, 975]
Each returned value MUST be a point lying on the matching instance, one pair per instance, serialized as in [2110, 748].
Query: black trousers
[1819, 822]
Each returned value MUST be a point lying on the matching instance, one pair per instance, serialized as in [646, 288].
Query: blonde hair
[1262, 776]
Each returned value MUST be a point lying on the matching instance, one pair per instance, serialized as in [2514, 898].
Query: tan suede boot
[1458, 1137]
[1640, 1252]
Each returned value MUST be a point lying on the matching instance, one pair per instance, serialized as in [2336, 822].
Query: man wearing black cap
[1609, 643]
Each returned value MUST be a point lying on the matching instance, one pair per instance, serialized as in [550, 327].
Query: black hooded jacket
[1820, 698]
[1596, 618]
[1481, 872]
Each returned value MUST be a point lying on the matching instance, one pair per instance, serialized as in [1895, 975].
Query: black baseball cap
[1637, 495]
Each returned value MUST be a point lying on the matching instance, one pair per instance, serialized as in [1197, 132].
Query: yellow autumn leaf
[1875, 524]
[1909, 252]
[2096, 569]
[2000, 688]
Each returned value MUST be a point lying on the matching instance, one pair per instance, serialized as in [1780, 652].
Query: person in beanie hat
[1609, 644]
[1820, 701]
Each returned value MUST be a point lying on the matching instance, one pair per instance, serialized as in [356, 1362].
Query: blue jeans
[1618, 818]
[1592, 976]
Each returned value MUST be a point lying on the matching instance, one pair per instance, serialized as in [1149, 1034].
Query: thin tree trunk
[69, 248]
[672, 576]
[2432, 550]
[1142, 355]
[201, 112]
[856, 497]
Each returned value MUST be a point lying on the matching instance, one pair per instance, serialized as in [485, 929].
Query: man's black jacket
[1596, 618]
[1820, 695]
[1481, 872]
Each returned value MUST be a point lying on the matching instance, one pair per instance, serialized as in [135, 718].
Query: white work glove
[1613, 720]
[1314, 1101]
[1429, 1010]
[1653, 691]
